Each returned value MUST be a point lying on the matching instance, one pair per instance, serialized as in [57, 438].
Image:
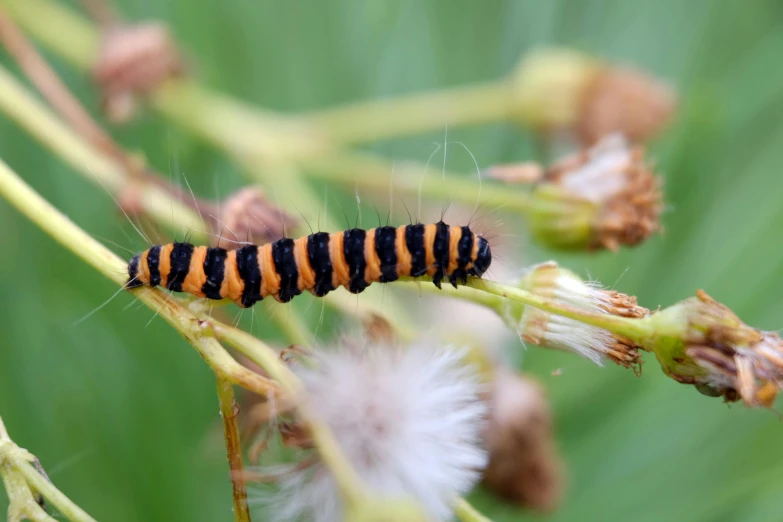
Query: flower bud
[603, 197]
[247, 216]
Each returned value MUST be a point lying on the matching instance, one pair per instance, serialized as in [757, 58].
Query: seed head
[603, 197]
[134, 60]
[702, 342]
[524, 465]
[543, 328]
[408, 419]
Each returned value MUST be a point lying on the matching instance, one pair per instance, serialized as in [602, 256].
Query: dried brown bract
[603, 197]
[517, 173]
[524, 464]
[133, 60]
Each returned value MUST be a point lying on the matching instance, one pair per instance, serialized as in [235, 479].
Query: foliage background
[124, 416]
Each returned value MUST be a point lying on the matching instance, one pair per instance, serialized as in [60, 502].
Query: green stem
[21, 479]
[27, 111]
[367, 171]
[467, 513]
[376, 120]
[53, 222]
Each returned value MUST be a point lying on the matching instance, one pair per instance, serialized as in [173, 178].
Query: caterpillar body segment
[318, 263]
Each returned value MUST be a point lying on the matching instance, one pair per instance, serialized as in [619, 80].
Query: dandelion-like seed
[702, 342]
[603, 197]
[409, 421]
[544, 328]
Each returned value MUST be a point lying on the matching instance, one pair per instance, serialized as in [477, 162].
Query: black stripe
[215, 270]
[180, 265]
[320, 262]
[483, 258]
[247, 268]
[285, 266]
[153, 263]
[464, 252]
[440, 250]
[386, 248]
[414, 240]
[353, 249]
[133, 272]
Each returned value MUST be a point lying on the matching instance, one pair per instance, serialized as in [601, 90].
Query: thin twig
[23, 482]
[229, 411]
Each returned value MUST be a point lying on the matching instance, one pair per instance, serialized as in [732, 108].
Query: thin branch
[229, 411]
[23, 482]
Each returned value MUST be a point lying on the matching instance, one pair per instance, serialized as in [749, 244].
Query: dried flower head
[702, 342]
[627, 100]
[408, 419]
[543, 328]
[524, 465]
[603, 197]
[247, 215]
[560, 89]
[134, 60]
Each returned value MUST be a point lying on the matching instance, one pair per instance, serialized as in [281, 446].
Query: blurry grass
[128, 441]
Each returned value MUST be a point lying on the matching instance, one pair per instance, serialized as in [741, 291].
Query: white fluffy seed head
[409, 421]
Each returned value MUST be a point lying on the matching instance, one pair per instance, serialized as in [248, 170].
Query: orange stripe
[474, 252]
[144, 269]
[235, 283]
[372, 270]
[306, 279]
[340, 271]
[196, 277]
[270, 280]
[429, 241]
[455, 234]
[164, 263]
[403, 256]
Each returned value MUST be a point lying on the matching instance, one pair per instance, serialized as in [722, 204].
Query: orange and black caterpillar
[318, 263]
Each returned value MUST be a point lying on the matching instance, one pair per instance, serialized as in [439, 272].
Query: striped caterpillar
[318, 263]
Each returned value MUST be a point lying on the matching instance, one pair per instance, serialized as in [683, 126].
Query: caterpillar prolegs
[319, 263]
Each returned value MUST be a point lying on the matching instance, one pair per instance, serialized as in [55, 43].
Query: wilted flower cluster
[547, 329]
[409, 420]
[702, 342]
[603, 197]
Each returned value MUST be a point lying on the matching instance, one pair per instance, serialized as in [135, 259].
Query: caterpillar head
[483, 257]
[133, 272]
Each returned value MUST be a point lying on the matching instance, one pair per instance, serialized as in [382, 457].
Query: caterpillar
[319, 263]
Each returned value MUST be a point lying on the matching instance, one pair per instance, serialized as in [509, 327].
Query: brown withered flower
[558, 90]
[716, 352]
[603, 197]
[133, 60]
[247, 216]
[524, 464]
[543, 328]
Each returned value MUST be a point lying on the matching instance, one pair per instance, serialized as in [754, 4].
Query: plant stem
[351, 487]
[53, 222]
[22, 107]
[375, 120]
[368, 171]
[21, 479]
[467, 513]
[229, 412]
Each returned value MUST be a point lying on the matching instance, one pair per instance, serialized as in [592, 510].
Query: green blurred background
[124, 415]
